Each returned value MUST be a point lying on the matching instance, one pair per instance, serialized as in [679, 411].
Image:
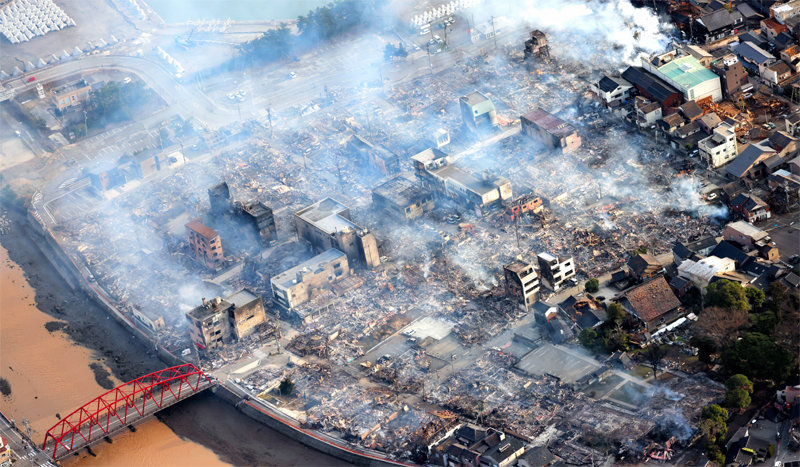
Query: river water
[49, 373]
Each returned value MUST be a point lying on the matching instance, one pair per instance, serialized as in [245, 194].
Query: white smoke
[686, 197]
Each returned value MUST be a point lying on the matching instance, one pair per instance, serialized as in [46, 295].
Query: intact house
[644, 266]
[653, 303]
[762, 158]
[791, 55]
[477, 111]
[219, 321]
[777, 73]
[792, 121]
[647, 112]
[719, 148]
[326, 224]
[686, 74]
[771, 28]
[750, 237]
[584, 311]
[550, 130]
[612, 90]
[717, 24]
[754, 57]
[402, 198]
[692, 250]
[750, 207]
[700, 273]
[475, 446]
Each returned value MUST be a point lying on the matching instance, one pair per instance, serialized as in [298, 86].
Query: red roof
[201, 229]
[652, 299]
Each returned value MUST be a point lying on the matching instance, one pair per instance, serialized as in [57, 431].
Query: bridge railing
[160, 388]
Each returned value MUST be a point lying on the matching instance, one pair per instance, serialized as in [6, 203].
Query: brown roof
[653, 299]
[643, 263]
[201, 229]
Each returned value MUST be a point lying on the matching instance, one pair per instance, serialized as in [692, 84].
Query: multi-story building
[612, 90]
[719, 148]
[550, 130]
[522, 282]
[402, 198]
[556, 270]
[71, 94]
[263, 221]
[536, 45]
[326, 224]
[450, 181]
[219, 321]
[731, 72]
[478, 111]
[295, 286]
[687, 75]
[375, 155]
[219, 197]
[205, 244]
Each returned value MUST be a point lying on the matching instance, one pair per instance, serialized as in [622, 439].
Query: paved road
[24, 455]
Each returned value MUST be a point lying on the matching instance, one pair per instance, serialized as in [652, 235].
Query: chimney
[205, 304]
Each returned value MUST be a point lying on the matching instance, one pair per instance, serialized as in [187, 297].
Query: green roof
[687, 72]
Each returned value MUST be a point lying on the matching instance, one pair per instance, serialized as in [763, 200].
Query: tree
[642, 250]
[286, 387]
[713, 423]
[615, 314]
[758, 357]
[715, 455]
[738, 389]
[705, 347]
[592, 285]
[590, 339]
[777, 292]
[721, 325]
[755, 297]
[654, 354]
[726, 294]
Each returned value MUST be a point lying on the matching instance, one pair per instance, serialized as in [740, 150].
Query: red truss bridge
[123, 406]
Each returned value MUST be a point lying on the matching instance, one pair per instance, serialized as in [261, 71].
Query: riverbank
[231, 437]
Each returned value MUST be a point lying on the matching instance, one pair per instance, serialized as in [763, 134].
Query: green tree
[713, 423]
[738, 389]
[286, 387]
[726, 294]
[705, 347]
[777, 292]
[592, 285]
[758, 357]
[616, 314]
[764, 322]
[589, 338]
[755, 297]
[642, 250]
[715, 455]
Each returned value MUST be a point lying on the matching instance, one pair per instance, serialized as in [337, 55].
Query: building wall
[715, 153]
[66, 99]
[567, 143]
[523, 287]
[301, 292]
[206, 251]
[212, 331]
[246, 318]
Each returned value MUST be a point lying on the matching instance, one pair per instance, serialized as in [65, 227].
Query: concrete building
[481, 192]
[402, 198]
[687, 75]
[261, 218]
[71, 94]
[297, 285]
[375, 155]
[555, 270]
[219, 321]
[205, 244]
[719, 148]
[523, 205]
[522, 282]
[477, 111]
[731, 73]
[550, 130]
[219, 197]
[536, 45]
[326, 224]
[701, 272]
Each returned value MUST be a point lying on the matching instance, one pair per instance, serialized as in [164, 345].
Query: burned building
[522, 282]
[536, 45]
[219, 197]
[523, 205]
[326, 224]
[477, 111]
[550, 130]
[450, 181]
[261, 218]
[219, 321]
[205, 244]
[402, 198]
[297, 285]
[375, 155]
[556, 270]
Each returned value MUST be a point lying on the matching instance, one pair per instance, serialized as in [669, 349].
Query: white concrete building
[687, 75]
[719, 148]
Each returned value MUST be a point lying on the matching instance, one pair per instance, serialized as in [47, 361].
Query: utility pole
[516, 227]
[430, 64]
[494, 33]
[269, 117]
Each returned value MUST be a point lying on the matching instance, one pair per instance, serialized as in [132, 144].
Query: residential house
[300, 283]
[752, 19]
[791, 55]
[719, 148]
[686, 74]
[680, 286]
[750, 207]
[691, 110]
[647, 112]
[584, 311]
[700, 273]
[777, 73]
[477, 111]
[652, 87]
[402, 198]
[717, 24]
[753, 57]
[748, 165]
[751, 237]
[699, 53]
[559, 331]
[612, 90]
[784, 11]
[474, 446]
[696, 249]
[794, 166]
[731, 72]
[792, 121]
[644, 266]
[670, 124]
[708, 122]
[754, 38]
[771, 28]
[550, 130]
[652, 303]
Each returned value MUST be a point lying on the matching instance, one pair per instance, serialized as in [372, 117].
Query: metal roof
[687, 72]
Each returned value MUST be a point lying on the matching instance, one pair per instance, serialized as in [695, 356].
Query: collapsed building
[550, 130]
[298, 285]
[536, 45]
[327, 224]
[402, 198]
[217, 321]
[375, 155]
[256, 213]
[482, 192]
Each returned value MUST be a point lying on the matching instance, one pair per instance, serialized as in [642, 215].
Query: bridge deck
[108, 425]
